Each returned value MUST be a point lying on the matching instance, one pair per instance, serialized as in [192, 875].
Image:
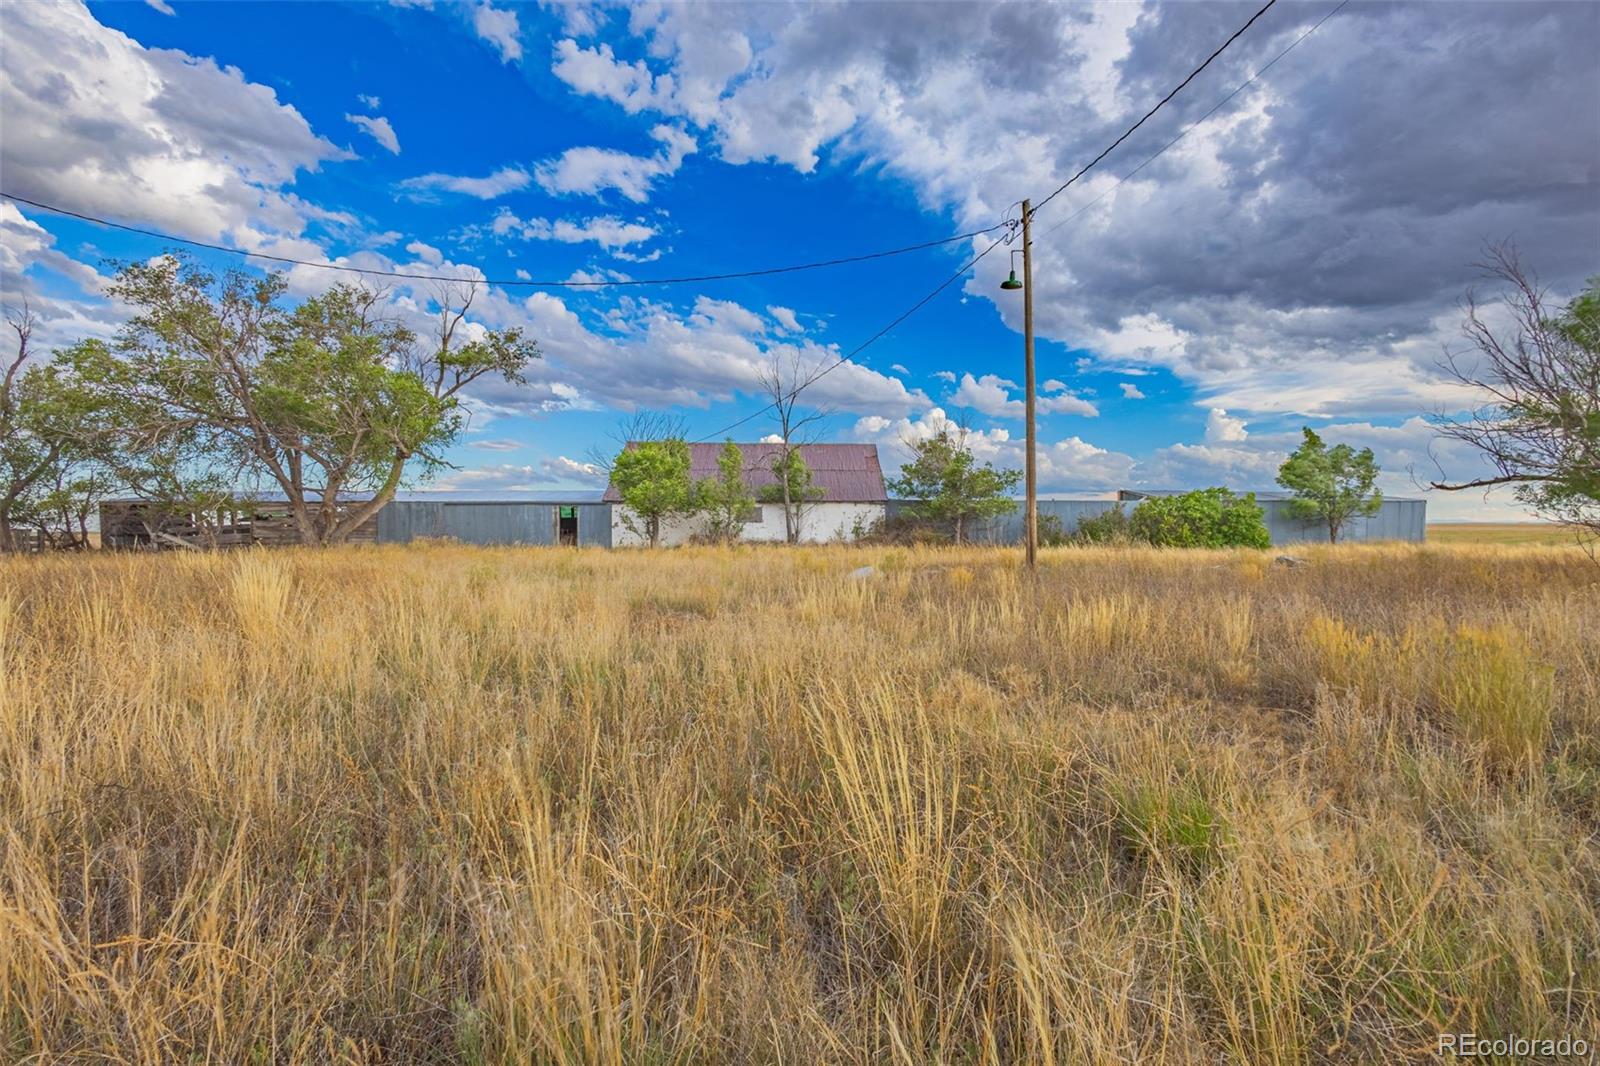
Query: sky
[1297, 259]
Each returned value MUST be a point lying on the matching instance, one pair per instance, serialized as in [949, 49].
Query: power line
[1218, 106]
[1129, 132]
[858, 349]
[974, 260]
[508, 282]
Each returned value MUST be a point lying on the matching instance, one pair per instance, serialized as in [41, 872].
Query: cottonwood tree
[947, 484]
[48, 429]
[653, 479]
[1539, 423]
[1330, 485]
[328, 402]
[62, 506]
[786, 375]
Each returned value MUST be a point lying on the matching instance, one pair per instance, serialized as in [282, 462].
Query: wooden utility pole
[1030, 519]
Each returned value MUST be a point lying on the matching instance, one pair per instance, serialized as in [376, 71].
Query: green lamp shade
[1011, 282]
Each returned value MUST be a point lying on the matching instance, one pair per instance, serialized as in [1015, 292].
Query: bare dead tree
[784, 378]
[641, 425]
[1539, 423]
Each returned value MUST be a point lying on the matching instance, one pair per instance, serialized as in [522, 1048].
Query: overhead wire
[863, 346]
[1218, 106]
[598, 283]
[1014, 223]
[1009, 224]
[1131, 130]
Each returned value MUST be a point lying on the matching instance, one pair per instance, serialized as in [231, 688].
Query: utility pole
[1030, 519]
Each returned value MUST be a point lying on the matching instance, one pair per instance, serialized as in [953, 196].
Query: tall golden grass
[437, 804]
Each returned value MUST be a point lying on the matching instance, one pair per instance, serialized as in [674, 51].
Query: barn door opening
[567, 526]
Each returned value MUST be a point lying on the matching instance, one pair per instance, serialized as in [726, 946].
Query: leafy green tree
[1538, 425]
[61, 508]
[726, 498]
[794, 489]
[653, 479]
[1330, 485]
[328, 403]
[49, 429]
[949, 486]
[1205, 518]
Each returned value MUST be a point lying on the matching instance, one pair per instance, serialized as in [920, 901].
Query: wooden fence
[138, 525]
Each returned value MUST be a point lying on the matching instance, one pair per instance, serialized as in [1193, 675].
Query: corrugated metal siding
[1395, 520]
[1007, 529]
[528, 522]
[400, 522]
[515, 522]
[594, 525]
[500, 523]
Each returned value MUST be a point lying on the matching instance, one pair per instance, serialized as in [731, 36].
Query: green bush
[1205, 518]
[1110, 527]
[1052, 534]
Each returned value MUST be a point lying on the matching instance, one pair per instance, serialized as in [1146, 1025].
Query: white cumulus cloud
[991, 395]
[378, 128]
[98, 123]
[591, 171]
[562, 468]
[499, 27]
[608, 231]
[1221, 428]
[506, 179]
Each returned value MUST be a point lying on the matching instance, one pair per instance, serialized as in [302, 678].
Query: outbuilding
[1397, 518]
[851, 498]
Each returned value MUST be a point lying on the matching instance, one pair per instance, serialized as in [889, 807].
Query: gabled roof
[846, 473]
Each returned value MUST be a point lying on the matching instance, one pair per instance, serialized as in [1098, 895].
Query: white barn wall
[821, 523]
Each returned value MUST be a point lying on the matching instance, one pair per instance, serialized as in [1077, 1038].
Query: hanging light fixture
[1012, 282]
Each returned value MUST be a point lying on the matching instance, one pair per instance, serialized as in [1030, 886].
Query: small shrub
[1204, 518]
[905, 529]
[1052, 534]
[1176, 823]
[1110, 527]
[864, 530]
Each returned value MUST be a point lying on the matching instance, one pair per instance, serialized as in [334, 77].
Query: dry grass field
[438, 804]
[1501, 533]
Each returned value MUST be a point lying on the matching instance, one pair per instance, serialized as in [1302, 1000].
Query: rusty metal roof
[846, 473]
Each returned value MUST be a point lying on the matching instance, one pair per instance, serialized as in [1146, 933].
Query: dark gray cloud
[1323, 223]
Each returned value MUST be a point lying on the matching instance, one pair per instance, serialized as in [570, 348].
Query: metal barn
[1397, 519]
[1007, 529]
[577, 523]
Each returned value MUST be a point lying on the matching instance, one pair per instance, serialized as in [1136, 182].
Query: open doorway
[567, 526]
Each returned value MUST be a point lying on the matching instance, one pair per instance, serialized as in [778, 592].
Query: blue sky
[1295, 260]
